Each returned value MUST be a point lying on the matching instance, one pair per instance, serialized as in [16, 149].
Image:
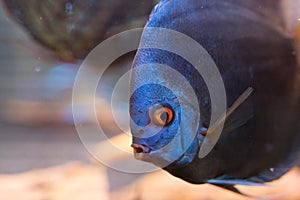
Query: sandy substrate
[162, 186]
[83, 182]
[73, 181]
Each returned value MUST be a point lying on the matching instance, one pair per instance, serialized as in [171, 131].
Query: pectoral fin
[233, 118]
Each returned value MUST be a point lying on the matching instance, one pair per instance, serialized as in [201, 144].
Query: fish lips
[155, 157]
[165, 159]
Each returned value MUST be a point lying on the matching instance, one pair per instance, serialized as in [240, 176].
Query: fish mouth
[145, 153]
[140, 151]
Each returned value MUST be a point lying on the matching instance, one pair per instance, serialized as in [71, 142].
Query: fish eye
[161, 115]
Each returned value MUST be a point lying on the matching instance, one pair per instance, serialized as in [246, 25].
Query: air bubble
[37, 68]
[70, 27]
[69, 8]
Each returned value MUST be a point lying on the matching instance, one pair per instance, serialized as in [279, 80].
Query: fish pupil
[164, 116]
[161, 115]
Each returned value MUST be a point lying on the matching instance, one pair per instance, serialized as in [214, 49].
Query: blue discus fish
[249, 44]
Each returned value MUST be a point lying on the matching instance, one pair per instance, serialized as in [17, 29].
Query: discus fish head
[164, 123]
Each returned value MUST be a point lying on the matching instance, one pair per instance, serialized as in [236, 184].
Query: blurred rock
[72, 181]
[37, 113]
[72, 28]
[32, 113]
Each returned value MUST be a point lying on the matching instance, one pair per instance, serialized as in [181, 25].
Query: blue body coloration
[154, 91]
[247, 41]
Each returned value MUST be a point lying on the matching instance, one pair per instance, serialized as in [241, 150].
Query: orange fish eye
[161, 115]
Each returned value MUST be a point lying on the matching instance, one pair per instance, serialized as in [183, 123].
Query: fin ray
[233, 123]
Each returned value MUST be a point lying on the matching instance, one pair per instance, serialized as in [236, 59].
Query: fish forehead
[166, 76]
[154, 58]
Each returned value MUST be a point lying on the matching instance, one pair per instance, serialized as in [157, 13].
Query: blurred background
[40, 57]
[42, 44]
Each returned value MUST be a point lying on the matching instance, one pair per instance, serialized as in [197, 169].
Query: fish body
[249, 44]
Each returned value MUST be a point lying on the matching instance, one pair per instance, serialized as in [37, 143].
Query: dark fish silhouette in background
[72, 28]
[250, 44]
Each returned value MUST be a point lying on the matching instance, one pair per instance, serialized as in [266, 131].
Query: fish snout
[140, 148]
[140, 151]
